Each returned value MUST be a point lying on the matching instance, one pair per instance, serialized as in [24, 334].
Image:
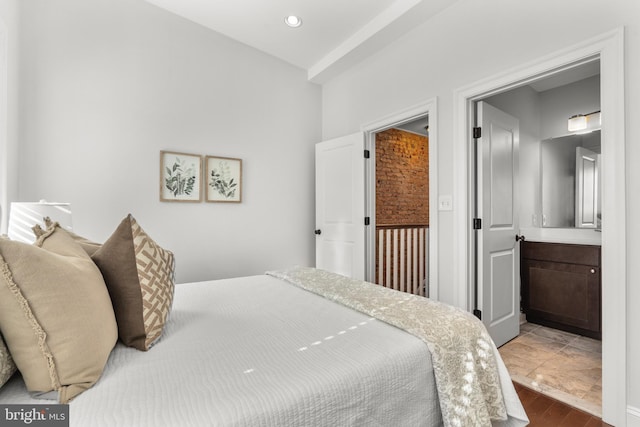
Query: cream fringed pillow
[89, 246]
[7, 367]
[55, 314]
[139, 276]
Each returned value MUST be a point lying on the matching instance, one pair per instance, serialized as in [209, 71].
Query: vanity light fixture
[577, 123]
[293, 21]
[584, 122]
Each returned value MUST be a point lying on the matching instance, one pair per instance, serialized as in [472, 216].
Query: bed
[299, 347]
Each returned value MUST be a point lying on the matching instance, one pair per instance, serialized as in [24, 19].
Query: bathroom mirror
[570, 190]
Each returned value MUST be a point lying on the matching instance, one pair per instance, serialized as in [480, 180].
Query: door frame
[426, 108]
[609, 48]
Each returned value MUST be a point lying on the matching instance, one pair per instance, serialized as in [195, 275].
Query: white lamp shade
[24, 216]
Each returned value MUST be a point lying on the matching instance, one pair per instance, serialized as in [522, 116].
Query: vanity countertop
[578, 236]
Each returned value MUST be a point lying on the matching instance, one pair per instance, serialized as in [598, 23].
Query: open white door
[340, 206]
[498, 253]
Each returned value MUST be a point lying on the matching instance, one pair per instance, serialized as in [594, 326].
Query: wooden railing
[402, 257]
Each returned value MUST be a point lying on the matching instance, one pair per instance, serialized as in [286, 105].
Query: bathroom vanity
[561, 286]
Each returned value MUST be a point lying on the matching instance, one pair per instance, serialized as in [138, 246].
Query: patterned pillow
[139, 277]
[7, 367]
[55, 314]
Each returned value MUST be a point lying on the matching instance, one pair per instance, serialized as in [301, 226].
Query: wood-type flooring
[544, 411]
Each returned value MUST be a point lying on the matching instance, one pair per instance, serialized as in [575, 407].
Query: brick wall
[402, 178]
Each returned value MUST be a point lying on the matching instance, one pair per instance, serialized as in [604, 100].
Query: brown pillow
[7, 366]
[139, 276]
[55, 314]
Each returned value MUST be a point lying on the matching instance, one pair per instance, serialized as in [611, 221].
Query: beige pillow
[89, 246]
[55, 314]
[139, 276]
[7, 366]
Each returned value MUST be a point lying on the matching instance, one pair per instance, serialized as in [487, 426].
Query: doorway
[402, 207]
[557, 359]
[609, 49]
[413, 119]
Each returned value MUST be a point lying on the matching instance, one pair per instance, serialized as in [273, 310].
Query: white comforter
[256, 351]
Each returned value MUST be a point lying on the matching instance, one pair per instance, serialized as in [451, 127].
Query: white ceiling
[334, 33]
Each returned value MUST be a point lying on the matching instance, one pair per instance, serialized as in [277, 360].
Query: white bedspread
[256, 351]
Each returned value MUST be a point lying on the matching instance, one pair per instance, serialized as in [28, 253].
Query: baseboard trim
[633, 416]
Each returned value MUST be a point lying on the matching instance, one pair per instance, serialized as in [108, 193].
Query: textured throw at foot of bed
[466, 363]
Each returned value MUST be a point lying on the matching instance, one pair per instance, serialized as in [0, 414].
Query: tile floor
[564, 366]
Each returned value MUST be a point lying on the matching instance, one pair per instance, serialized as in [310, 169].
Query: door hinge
[367, 220]
[477, 223]
[477, 132]
[477, 313]
[367, 154]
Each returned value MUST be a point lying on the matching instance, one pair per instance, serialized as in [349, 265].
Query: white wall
[106, 84]
[476, 39]
[8, 106]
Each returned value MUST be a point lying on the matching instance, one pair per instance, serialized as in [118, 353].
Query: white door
[498, 254]
[340, 206]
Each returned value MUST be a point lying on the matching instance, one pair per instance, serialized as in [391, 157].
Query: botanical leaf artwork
[221, 180]
[180, 178]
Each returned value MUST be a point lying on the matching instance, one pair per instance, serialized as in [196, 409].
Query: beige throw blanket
[465, 367]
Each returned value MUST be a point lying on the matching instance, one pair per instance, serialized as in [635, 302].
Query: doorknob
[520, 238]
[318, 232]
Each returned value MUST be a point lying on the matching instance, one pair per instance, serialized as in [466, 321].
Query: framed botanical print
[223, 179]
[180, 177]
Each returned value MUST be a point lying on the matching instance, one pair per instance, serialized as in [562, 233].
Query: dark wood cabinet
[561, 286]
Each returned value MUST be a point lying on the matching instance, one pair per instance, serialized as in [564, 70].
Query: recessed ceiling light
[293, 21]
